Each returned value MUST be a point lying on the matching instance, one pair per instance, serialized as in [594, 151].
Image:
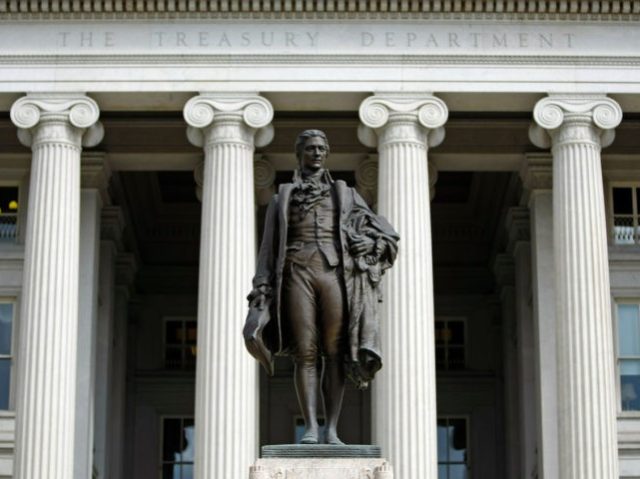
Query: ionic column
[577, 127]
[226, 414]
[56, 126]
[404, 392]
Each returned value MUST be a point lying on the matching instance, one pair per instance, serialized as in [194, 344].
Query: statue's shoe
[334, 440]
[310, 437]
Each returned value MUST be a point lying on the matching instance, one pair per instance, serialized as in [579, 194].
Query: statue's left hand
[362, 246]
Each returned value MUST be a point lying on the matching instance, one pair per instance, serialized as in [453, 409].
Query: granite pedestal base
[294, 461]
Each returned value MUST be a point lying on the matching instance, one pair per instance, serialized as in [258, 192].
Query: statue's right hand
[258, 297]
[258, 301]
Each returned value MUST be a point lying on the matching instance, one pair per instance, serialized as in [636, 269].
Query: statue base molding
[320, 450]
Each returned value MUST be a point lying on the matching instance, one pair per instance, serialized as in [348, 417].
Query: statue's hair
[304, 136]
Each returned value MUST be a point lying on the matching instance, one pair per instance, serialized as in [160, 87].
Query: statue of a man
[315, 291]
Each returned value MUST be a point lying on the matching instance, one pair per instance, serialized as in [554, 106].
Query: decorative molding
[264, 176]
[95, 174]
[112, 224]
[517, 224]
[536, 172]
[126, 268]
[70, 118]
[338, 59]
[391, 117]
[419, 9]
[583, 118]
[230, 111]
[367, 179]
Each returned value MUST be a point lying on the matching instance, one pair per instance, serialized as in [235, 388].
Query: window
[180, 336]
[629, 355]
[626, 229]
[177, 448]
[8, 213]
[6, 356]
[450, 344]
[453, 452]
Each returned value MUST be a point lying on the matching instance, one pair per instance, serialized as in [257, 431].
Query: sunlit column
[577, 127]
[55, 126]
[404, 126]
[226, 415]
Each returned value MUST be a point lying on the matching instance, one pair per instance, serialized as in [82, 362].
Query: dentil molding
[561, 9]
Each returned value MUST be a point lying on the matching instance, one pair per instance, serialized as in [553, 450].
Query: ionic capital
[569, 118]
[229, 118]
[264, 177]
[402, 117]
[367, 179]
[70, 118]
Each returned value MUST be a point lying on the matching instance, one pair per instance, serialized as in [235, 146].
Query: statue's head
[312, 149]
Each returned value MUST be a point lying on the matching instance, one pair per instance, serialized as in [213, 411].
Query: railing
[8, 227]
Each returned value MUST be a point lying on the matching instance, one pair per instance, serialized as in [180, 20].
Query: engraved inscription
[406, 41]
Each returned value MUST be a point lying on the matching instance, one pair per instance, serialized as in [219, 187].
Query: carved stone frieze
[568, 118]
[64, 118]
[314, 468]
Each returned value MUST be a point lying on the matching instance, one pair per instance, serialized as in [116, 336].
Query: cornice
[578, 10]
[171, 60]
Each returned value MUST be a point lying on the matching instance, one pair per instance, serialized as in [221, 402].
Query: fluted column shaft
[404, 393]
[226, 413]
[53, 126]
[577, 126]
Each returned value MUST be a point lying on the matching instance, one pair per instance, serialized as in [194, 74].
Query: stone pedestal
[321, 468]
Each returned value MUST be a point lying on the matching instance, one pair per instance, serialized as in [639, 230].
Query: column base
[321, 468]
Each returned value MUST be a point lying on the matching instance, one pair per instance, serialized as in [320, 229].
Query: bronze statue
[315, 291]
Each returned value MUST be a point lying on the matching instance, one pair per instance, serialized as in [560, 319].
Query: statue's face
[314, 154]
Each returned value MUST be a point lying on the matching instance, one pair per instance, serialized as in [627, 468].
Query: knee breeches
[314, 298]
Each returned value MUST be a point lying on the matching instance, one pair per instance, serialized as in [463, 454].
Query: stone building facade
[140, 141]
